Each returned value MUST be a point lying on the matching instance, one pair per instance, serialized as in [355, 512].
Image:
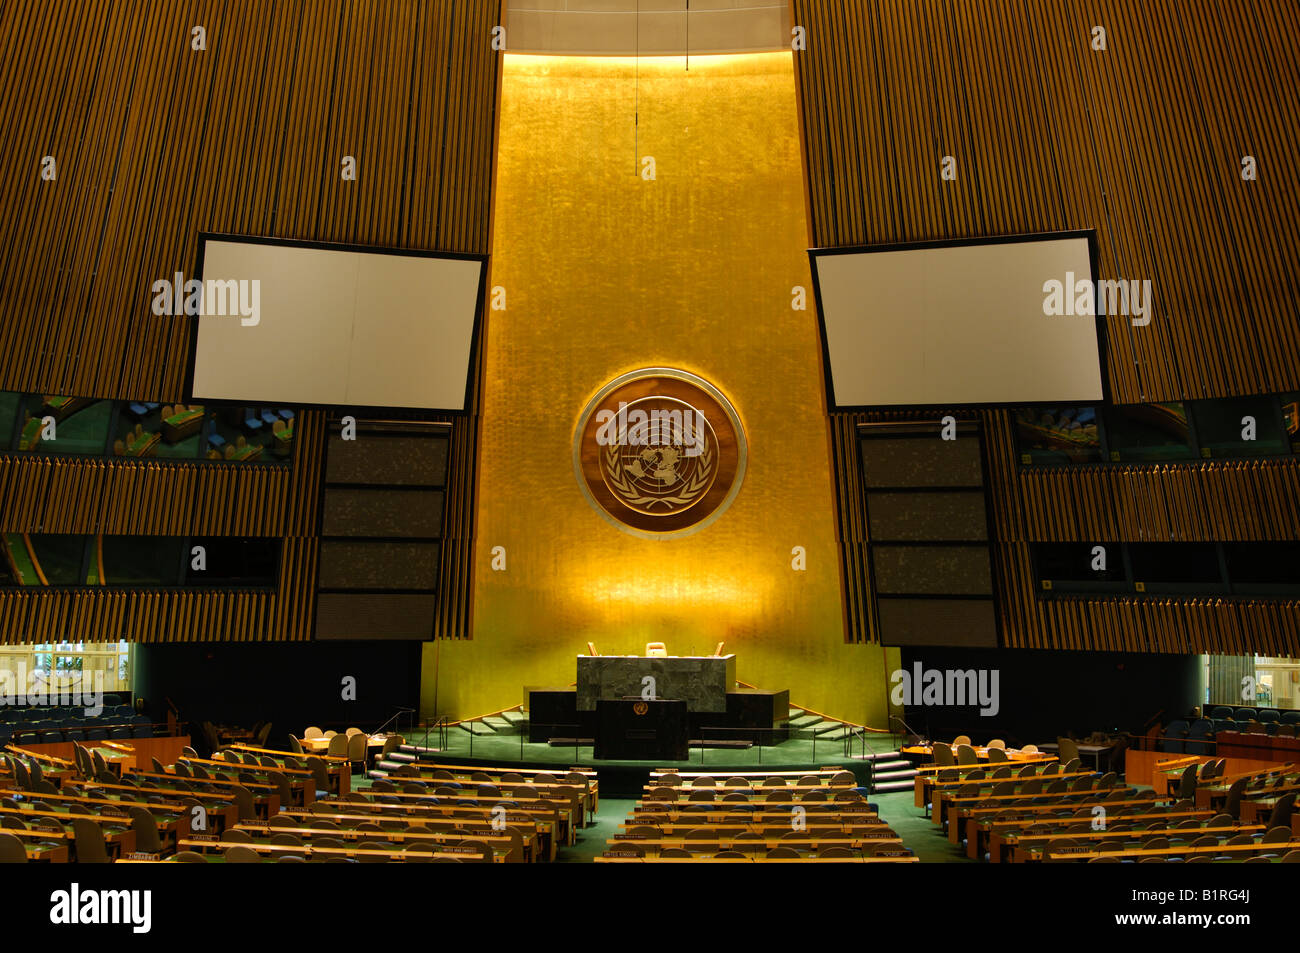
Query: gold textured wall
[604, 273]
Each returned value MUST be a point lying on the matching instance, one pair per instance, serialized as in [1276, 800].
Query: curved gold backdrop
[605, 272]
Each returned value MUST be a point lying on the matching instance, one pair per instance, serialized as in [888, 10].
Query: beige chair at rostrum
[997, 743]
[961, 740]
[352, 731]
[1029, 749]
[338, 746]
[329, 734]
[357, 749]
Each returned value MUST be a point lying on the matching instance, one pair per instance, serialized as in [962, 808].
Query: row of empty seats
[1097, 818]
[747, 817]
[242, 807]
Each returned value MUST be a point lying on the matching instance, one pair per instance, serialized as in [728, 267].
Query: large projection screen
[956, 324]
[335, 326]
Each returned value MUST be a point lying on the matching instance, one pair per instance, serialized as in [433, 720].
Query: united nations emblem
[640, 707]
[660, 451]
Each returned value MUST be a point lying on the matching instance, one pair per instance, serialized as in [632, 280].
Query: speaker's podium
[639, 729]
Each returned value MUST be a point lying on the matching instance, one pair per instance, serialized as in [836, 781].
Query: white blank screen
[345, 328]
[957, 325]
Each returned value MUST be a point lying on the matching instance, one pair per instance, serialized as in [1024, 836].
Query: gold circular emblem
[660, 452]
[640, 708]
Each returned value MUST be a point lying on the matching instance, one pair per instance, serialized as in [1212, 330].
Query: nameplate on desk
[877, 835]
[892, 853]
[622, 853]
[1073, 850]
[142, 855]
[112, 812]
[630, 836]
[208, 837]
[459, 850]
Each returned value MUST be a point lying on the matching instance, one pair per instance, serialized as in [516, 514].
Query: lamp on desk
[655, 649]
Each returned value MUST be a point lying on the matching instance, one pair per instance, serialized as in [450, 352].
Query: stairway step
[892, 775]
[805, 721]
[497, 723]
[795, 713]
[415, 749]
[515, 717]
[883, 756]
[892, 786]
[881, 765]
[835, 733]
[476, 728]
[421, 752]
[401, 756]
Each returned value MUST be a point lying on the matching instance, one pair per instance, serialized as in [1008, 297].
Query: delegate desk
[701, 681]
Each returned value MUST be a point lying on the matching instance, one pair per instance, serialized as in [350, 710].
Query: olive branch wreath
[625, 488]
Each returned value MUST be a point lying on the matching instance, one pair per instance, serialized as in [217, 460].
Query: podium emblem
[640, 708]
[659, 452]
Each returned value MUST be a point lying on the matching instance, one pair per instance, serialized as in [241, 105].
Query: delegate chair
[356, 744]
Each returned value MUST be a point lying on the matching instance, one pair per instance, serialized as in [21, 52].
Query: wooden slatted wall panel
[1219, 501]
[1142, 142]
[155, 142]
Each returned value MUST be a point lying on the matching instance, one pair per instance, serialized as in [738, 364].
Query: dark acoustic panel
[950, 516]
[393, 513]
[933, 570]
[969, 622]
[374, 616]
[367, 564]
[921, 461]
[553, 713]
[758, 715]
[390, 460]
